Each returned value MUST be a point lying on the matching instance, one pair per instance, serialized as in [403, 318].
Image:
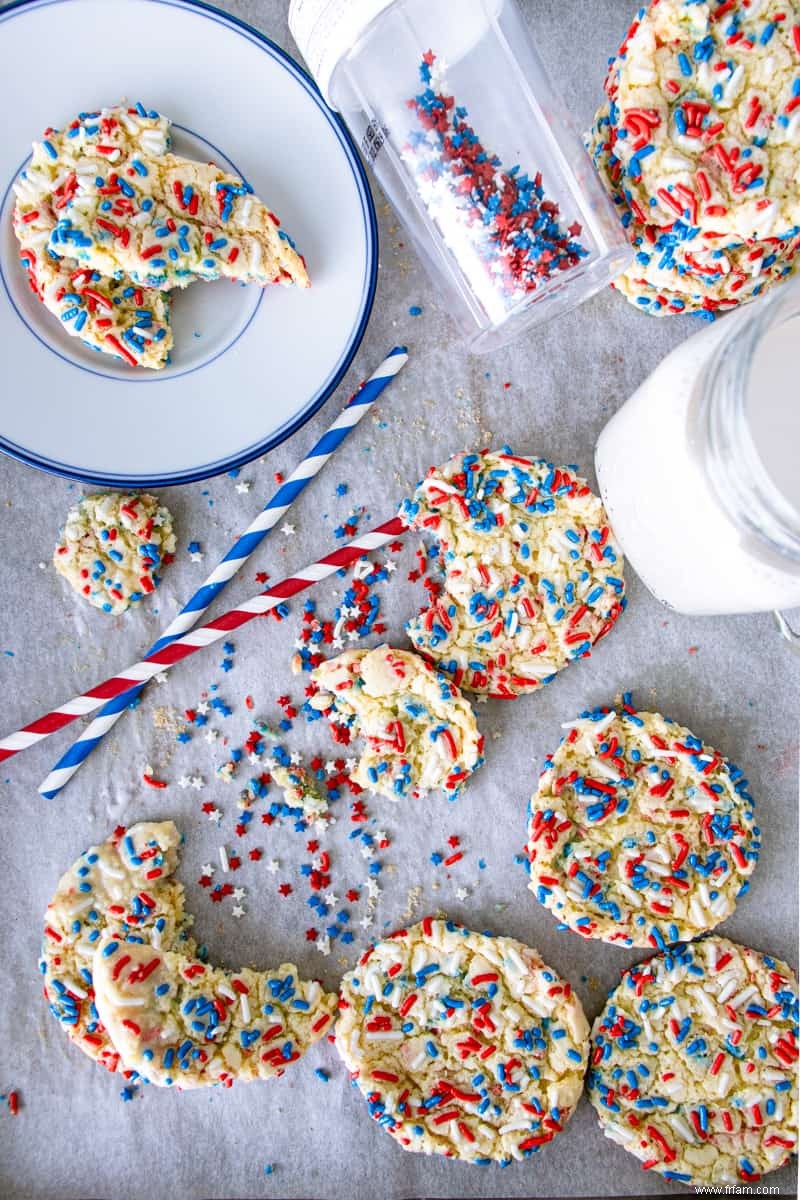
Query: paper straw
[197, 639]
[357, 408]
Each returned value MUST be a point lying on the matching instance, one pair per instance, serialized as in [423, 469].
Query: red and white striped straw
[196, 639]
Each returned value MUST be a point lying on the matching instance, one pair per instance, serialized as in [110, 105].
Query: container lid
[326, 29]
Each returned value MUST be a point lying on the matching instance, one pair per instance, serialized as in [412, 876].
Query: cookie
[420, 732]
[462, 1043]
[708, 115]
[179, 1022]
[677, 269]
[533, 576]
[694, 1063]
[123, 886]
[114, 316]
[164, 221]
[638, 833]
[112, 546]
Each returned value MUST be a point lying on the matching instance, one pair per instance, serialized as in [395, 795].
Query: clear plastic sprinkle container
[475, 149]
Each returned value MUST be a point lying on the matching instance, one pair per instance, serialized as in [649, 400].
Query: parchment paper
[731, 681]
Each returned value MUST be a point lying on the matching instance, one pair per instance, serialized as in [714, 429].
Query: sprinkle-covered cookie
[638, 833]
[694, 1063]
[676, 269]
[114, 316]
[533, 576]
[183, 1023]
[706, 104]
[112, 547]
[698, 146]
[162, 220]
[123, 886]
[420, 732]
[462, 1044]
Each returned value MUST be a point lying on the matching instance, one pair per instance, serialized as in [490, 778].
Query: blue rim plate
[250, 367]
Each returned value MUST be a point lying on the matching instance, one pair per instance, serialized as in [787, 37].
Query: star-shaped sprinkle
[243, 487]
[183, 782]
[287, 529]
[285, 889]
[237, 911]
[197, 556]
[215, 815]
[331, 898]
[203, 707]
[239, 893]
[208, 868]
[161, 677]
[461, 893]
[273, 865]
[389, 565]
[196, 782]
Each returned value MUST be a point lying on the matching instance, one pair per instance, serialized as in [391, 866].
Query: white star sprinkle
[331, 898]
[203, 707]
[295, 759]
[323, 944]
[367, 851]
[183, 782]
[215, 815]
[380, 835]
[372, 887]
[239, 894]
[197, 556]
[287, 529]
[330, 767]
[237, 911]
[461, 893]
[197, 782]
[161, 677]
[365, 922]
[337, 643]
[389, 566]
[207, 869]
[244, 487]
[253, 758]
[212, 735]
[273, 865]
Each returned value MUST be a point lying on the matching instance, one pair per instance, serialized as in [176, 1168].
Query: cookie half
[420, 732]
[123, 886]
[181, 1022]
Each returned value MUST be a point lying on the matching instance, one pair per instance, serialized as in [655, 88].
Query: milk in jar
[698, 470]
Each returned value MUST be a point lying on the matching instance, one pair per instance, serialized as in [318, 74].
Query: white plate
[249, 366]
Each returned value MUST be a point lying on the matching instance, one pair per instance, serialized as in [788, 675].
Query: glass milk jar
[451, 106]
[699, 469]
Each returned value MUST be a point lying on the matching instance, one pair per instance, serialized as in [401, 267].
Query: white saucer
[249, 367]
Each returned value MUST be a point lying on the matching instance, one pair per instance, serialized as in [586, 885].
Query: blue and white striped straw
[358, 406]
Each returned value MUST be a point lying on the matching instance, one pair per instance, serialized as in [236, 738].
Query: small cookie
[181, 1022]
[533, 573]
[123, 886]
[694, 1063]
[420, 731]
[112, 546]
[463, 1044]
[113, 316]
[639, 834]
